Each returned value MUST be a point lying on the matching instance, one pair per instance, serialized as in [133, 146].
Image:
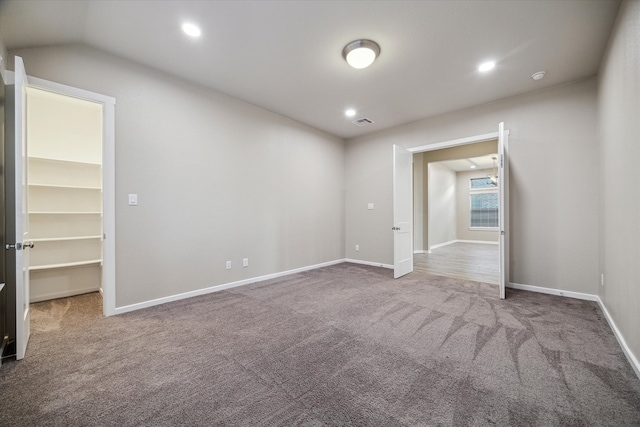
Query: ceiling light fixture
[486, 66]
[192, 30]
[494, 177]
[361, 53]
[538, 76]
[350, 112]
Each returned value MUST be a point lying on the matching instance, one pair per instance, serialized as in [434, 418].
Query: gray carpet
[340, 346]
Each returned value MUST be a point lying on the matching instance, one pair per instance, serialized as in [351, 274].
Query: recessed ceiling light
[192, 30]
[486, 66]
[472, 166]
[350, 112]
[538, 76]
[361, 53]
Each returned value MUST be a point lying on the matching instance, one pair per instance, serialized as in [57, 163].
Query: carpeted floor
[343, 345]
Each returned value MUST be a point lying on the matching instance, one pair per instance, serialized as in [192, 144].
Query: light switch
[370, 206]
[133, 200]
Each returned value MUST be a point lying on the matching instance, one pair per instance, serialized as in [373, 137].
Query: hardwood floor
[469, 261]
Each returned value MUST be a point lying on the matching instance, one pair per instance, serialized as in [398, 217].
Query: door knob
[19, 246]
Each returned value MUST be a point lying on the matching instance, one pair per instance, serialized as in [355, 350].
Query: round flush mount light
[538, 76]
[350, 112]
[192, 30]
[486, 66]
[361, 53]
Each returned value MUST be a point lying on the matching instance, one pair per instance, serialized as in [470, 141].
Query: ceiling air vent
[362, 122]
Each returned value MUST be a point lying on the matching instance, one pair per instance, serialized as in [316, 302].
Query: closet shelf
[47, 159]
[75, 187]
[60, 239]
[64, 265]
[63, 213]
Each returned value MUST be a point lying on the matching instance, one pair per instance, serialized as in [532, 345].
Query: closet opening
[60, 183]
[65, 194]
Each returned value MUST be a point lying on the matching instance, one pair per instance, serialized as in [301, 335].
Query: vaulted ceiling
[286, 56]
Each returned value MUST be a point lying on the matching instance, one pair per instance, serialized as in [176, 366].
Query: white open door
[503, 183]
[19, 240]
[402, 211]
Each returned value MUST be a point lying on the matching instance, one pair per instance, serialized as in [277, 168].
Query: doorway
[456, 212]
[58, 196]
[403, 202]
[84, 163]
[64, 139]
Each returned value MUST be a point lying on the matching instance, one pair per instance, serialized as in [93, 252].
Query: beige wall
[553, 155]
[217, 179]
[463, 209]
[442, 204]
[619, 153]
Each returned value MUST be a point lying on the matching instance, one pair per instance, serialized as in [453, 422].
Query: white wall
[418, 203]
[442, 204]
[553, 156]
[619, 101]
[217, 179]
[463, 209]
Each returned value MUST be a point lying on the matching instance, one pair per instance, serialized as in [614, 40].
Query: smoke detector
[538, 76]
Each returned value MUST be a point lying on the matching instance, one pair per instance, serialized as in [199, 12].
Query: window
[484, 210]
[484, 203]
[482, 183]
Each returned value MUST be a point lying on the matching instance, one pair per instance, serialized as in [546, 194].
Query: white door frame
[108, 182]
[465, 141]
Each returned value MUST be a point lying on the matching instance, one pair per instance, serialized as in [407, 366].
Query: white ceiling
[285, 56]
[464, 165]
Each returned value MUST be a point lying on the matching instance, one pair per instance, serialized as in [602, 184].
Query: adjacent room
[456, 212]
[319, 213]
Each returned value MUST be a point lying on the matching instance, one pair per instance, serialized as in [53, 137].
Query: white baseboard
[482, 242]
[450, 242]
[421, 251]
[374, 264]
[558, 292]
[63, 294]
[439, 245]
[198, 292]
[633, 360]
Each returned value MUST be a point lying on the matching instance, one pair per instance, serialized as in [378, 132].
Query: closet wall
[65, 194]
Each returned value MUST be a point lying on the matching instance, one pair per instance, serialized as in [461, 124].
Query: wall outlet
[357, 247]
[228, 265]
[601, 279]
[245, 262]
